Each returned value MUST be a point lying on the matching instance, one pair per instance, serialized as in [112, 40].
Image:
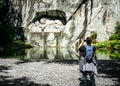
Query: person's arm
[94, 59]
[82, 41]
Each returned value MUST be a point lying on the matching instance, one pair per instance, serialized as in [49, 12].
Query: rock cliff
[63, 22]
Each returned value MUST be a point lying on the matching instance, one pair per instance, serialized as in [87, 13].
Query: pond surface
[40, 53]
[52, 54]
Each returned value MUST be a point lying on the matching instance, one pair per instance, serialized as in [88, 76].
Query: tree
[6, 34]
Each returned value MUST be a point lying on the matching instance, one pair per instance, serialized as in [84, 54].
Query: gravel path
[15, 72]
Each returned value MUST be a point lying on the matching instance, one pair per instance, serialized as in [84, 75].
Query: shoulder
[82, 47]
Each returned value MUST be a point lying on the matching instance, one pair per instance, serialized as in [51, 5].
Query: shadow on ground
[111, 69]
[3, 67]
[7, 81]
[10, 81]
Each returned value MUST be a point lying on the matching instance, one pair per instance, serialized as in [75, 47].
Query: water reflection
[12, 53]
[50, 53]
[53, 53]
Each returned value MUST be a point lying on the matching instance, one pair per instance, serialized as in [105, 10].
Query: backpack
[89, 53]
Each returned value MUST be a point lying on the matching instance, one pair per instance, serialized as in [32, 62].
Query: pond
[53, 54]
[41, 53]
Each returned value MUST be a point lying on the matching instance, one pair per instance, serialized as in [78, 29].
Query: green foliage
[114, 37]
[114, 40]
[103, 51]
[115, 44]
[93, 36]
[101, 45]
[112, 48]
[20, 44]
[109, 45]
[115, 55]
[6, 34]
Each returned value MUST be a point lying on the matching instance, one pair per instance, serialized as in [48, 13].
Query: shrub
[93, 36]
[114, 37]
[20, 44]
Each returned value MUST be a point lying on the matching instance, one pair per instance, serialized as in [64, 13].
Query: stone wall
[63, 22]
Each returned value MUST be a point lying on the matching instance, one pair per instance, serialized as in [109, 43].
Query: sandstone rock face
[63, 22]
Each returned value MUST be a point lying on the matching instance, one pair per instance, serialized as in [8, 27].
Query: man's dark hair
[88, 40]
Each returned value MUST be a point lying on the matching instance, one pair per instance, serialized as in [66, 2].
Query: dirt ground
[15, 72]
